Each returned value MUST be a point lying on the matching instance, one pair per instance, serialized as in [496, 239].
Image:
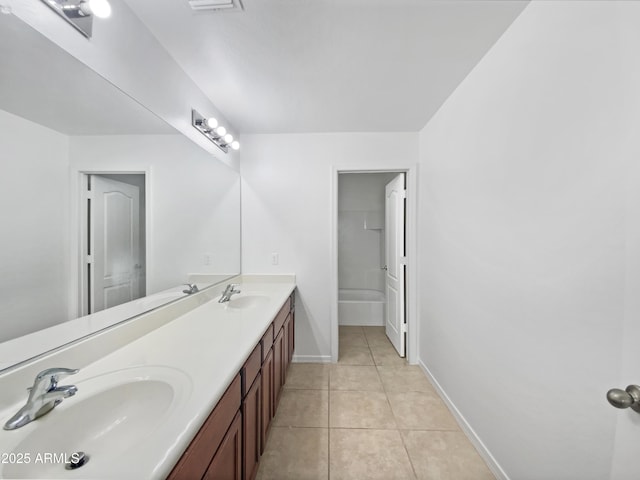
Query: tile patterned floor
[370, 416]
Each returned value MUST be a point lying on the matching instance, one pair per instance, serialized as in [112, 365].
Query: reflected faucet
[230, 290]
[43, 396]
[193, 288]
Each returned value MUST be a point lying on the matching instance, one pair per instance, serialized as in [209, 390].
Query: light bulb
[228, 138]
[235, 145]
[211, 122]
[221, 131]
[99, 8]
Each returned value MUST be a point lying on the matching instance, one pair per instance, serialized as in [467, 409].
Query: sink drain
[77, 460]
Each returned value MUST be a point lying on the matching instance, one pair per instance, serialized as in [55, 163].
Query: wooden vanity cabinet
[223, 428]
[286, 353]
[227, 462]
[290, 333]
[267, 407]
[251, 429]
[229, 444]
[278, 371]
[251, 412]
[292, 330]
[283, 346]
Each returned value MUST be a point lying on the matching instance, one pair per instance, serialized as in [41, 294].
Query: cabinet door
[267, 398]
[286, 356]
[197, 458]
[278, 378]
[292, 335]
[227, 462]
[251, 432]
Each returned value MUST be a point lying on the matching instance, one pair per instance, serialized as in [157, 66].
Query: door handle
[627, 398]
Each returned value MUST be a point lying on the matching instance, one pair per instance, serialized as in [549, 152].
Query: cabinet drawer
[251, 369]
[282, 316]
[267, 342]
[196, 459]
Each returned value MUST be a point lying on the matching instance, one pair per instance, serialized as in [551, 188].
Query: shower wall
[361, 230]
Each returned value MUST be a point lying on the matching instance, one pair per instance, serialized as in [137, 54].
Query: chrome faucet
[193, 288]
[43, 396]
[230, 290]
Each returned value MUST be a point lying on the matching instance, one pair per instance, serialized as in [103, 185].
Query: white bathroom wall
[39, 264]
[193, 201]
[361, 199]
[125, 52]
[286, 209]
[523, 228]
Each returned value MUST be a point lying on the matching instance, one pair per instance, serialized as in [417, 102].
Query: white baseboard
[491, 462]
[311, 359]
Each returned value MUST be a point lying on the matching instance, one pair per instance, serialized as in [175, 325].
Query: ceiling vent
[226, 5]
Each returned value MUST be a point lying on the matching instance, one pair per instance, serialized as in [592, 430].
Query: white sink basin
[248, 301]
[108, 417]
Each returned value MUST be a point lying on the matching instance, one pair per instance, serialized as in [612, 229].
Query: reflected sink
[248, 301]
[109, 415]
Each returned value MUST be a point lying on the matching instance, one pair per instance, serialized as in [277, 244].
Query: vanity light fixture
[80, 13]
[98, 8]
[210, 128]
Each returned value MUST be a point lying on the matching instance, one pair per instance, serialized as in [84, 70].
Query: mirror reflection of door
[115, 254]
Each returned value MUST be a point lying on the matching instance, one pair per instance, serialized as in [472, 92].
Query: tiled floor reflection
[370, 416]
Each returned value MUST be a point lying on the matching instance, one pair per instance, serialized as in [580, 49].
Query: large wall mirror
[101, 201]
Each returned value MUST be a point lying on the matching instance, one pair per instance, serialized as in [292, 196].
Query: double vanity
[185, 391]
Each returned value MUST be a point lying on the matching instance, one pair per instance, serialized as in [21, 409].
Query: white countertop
[200, 352]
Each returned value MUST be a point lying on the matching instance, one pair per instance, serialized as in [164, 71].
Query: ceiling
[43, 83]
[287, 66]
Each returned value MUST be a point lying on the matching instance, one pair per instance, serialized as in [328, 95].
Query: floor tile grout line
[404, 445]
[366, 428]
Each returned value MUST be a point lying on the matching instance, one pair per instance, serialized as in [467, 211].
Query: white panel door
[395, 262]
[115, 243]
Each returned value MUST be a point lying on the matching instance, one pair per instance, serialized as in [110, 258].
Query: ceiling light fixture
[210, 128]
[80, 13]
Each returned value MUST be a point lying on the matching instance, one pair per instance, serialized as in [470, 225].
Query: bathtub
[361, 307]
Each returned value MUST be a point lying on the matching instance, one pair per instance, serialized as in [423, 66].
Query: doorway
[113, 240]
[372, 248]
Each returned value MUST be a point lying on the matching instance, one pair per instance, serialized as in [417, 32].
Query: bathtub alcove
[361, 252]
[361, 307]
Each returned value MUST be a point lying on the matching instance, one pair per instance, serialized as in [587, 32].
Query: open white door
[395, 262]
[114, 240]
